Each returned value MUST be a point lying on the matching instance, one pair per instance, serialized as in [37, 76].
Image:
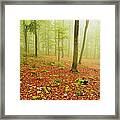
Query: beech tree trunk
[35, 39]
[25, 36]
[75, 52]
[58, 46]
[84, 38]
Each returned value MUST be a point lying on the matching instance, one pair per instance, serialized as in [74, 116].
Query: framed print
[59, 60]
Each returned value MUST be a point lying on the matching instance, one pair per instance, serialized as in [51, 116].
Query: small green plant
[81, 82]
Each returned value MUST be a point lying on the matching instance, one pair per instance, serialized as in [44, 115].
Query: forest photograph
[60, 59]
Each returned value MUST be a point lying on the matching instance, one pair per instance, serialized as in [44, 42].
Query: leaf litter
[40, 81]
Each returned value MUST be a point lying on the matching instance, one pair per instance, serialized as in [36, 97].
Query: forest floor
[43, 78]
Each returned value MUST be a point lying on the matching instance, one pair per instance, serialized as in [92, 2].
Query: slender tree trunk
[75, 52]
[84, 37]
[45, 44]
[58, 47]
[55, 38]
[39, 42]
[25, 37]
[69, 41]
[63, 43]
[48, 46]
[35, 39]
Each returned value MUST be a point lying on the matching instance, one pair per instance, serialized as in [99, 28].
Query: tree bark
[55, 38]
[35, 39]
[25, 37]
[58, 47]
[45, 38]
[84, 38]
[75, 52]
[62, 42]
[69, 41]
[48, 46]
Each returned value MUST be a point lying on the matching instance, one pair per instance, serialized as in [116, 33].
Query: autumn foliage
[46, 79]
